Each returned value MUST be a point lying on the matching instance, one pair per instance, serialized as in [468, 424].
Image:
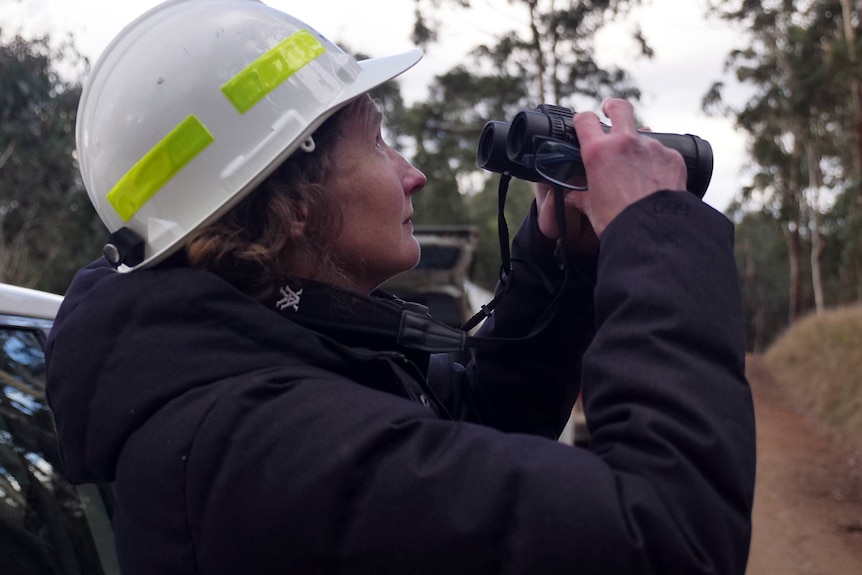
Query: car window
[45, 522]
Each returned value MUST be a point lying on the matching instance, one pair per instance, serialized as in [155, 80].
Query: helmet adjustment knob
[124, 247]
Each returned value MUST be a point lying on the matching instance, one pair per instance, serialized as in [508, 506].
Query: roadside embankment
[817, 363]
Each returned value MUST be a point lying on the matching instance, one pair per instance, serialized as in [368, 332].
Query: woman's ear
[300, 217]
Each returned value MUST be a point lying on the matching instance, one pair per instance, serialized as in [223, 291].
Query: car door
[47, 525]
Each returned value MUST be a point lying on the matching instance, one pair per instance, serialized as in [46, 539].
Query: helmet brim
[377, 71]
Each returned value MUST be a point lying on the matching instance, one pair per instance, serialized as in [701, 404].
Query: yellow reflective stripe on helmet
[271, 69]
[158, 166]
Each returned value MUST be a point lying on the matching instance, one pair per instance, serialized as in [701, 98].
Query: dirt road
[808, 496]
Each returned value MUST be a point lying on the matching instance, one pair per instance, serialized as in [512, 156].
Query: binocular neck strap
[506, 270]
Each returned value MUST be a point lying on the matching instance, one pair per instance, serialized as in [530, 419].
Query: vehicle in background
[440, 281]
[47, 525]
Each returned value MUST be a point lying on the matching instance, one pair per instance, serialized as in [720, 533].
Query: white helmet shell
[195, 102]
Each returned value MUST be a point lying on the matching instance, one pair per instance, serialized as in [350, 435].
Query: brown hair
[251, 246]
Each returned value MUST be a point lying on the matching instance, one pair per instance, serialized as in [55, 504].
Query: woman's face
[373, 185]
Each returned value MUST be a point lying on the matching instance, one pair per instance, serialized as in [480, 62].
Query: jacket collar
[379, 321]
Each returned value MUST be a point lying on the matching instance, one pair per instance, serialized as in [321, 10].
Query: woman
[260, 407]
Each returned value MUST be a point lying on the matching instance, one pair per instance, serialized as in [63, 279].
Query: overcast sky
[689, 52]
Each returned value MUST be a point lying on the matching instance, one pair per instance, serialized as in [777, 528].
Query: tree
[795, 120]
[48, 228]
[553, 52]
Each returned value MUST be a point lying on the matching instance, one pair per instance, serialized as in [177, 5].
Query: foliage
[761, 257]
[48, 227]
[842, 252]
[445, 129]
[484, 209]
[801, 67]
[553, 53]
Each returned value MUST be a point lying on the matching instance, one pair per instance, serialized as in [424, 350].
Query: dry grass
[818, 362]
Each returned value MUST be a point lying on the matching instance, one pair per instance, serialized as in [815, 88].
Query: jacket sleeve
[665, 393]
[524, 375]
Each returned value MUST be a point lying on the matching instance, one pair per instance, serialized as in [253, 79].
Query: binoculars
[541, 146]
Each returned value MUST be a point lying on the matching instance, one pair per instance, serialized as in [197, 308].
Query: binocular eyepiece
[541, 146]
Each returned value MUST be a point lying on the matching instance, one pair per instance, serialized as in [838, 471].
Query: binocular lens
[492, 153]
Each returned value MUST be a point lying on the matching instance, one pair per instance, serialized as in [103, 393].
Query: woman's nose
[414, 180]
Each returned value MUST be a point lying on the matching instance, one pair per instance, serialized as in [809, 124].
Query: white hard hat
[193, 104]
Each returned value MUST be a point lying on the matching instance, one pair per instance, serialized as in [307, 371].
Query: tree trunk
[791, 237]
[792, 226]
[814, 183]
[817, 248]
[537, 47]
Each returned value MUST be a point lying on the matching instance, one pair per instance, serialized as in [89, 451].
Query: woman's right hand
[622, 166]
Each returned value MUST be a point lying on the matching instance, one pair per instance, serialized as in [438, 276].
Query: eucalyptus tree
[551, 48]
[795, 120]
[839, 125]
[48, 227]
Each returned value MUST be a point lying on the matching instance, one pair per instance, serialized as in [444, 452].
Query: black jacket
[246, 439]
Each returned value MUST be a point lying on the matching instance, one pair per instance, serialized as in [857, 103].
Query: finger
[576, 202]
[621, 114]
[587, 126]
[542, 192]
[547, 215]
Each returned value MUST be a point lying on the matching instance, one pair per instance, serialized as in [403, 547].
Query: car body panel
[47, 524]
[26, 302]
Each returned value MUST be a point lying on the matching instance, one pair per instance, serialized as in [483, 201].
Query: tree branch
[7, 153]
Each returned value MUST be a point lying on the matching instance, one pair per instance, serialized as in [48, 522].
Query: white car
[47, 525]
